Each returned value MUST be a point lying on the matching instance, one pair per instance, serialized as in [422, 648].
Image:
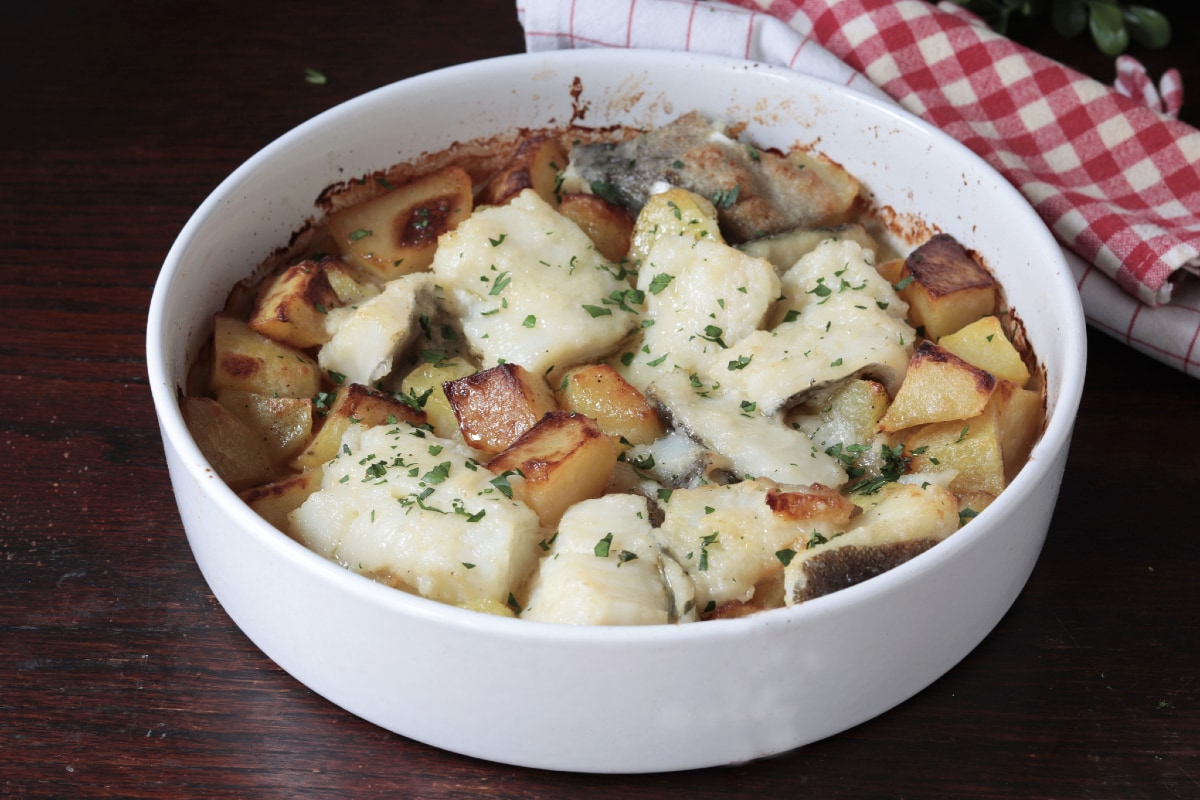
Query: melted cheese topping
[840, 318]
[701, 295]
[530, 287]
[368, 337]
[410, 509]
[603, 568]
[727, 538]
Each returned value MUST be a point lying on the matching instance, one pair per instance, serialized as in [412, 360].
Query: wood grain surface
[121, 676]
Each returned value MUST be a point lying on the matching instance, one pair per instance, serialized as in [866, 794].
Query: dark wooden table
[121, 676]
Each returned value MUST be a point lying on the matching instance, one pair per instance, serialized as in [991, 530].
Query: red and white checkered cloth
[1113, 174]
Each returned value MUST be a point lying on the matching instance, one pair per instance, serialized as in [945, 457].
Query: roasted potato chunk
[891, 270]
[495, 406]
[350, 285]
[938, 386]
[245, 360]
[675, 212]
[354, 404]
[1021, 415]
[274, 501]
[984, 344]
[285, 423]
[948, 288]
[609, 226]
[236, 451]
[847, 426]
[971, 447]
[424, 384]
[291, 307]
[535, 165]
[396, 233]
[598, 391]
[564, 458]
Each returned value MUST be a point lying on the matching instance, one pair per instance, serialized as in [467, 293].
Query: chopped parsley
[741, 362]
[602, 546]
[660, 282]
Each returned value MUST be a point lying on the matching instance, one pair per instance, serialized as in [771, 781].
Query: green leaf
[1148, 27]
[1069, 17]
[1107, 25]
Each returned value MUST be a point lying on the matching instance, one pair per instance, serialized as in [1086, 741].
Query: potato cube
[425, 382]
[285, 423]
[564, 458]
[971, 447]
[236, 451]
[535, 165]
[948, 290]
[497, 405]
[984, 344]
[354, 404]
[274, 501]
[851, 416]
[938, 386]
[291, 306]
[1021, 416]
[245, 360]
[396, 233]
[351, 286]
[675, 212]
[598, 391]
[609, 226]
[971, 503]
[891, 270]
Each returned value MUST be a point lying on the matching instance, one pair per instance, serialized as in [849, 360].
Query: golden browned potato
[396, 233]
[609, 226]
[971, 503]
[354, 404]
[236, 451]
[495, 406]
[948, 288]
[675, 212]
[850, 417]
[598, 391]
[536, 165]
[892, 270]
[351, 285]
[292, 306]
[1021, 416]
[938, 386]
[424, 384]
[984, 344]
[564, 458]
[274, 501]
[969, 446]
[285, 423]
[244, 359]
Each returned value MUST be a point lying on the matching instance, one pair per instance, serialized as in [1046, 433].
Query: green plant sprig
[1112, 24]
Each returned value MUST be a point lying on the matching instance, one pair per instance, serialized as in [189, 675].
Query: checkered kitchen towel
[1110, 171]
